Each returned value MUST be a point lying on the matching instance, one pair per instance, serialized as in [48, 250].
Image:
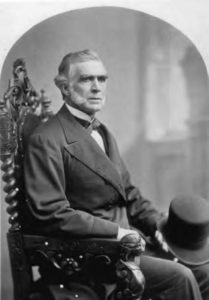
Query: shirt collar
[78, 113]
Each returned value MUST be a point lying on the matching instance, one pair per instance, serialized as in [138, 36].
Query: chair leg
[21, 272]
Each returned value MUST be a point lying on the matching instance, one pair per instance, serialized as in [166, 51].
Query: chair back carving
[21, 110]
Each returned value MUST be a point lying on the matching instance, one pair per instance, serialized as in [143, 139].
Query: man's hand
[123, 232]
[133, 193]
[160, 241]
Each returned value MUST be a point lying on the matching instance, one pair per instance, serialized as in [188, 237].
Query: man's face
[87, 86]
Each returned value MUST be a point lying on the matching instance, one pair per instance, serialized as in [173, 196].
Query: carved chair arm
[74, 255]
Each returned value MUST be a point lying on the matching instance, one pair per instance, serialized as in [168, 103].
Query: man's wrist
[122, 232]
[119, 235]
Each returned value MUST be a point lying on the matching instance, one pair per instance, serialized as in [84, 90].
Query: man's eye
[85, 79]
[92, 78]
[102, 78]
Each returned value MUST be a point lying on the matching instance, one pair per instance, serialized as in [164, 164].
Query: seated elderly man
[77, 183]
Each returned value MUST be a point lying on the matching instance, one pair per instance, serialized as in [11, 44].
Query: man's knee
[184, 273]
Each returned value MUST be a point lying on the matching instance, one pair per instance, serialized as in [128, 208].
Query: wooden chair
[21, 110]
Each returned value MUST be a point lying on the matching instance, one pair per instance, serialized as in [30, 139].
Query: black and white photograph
[104, 148]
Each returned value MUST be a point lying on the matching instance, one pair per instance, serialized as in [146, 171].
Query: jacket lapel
[84, 148]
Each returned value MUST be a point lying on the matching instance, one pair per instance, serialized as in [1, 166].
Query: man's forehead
[90, 67]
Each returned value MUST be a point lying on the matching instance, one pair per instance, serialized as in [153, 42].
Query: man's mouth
[95, 98]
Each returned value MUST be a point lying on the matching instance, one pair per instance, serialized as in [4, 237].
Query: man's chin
[94, 109]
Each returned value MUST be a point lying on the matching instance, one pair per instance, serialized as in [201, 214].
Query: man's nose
[95, 85]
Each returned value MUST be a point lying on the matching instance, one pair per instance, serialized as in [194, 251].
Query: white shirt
[82, 115]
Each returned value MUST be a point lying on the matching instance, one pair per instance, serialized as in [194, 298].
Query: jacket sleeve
[141, 212]
[49, 210]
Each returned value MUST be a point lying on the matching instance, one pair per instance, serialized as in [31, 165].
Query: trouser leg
[201, 274]
[168, 280]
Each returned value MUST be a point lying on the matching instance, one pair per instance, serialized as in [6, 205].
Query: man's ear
[65, 89]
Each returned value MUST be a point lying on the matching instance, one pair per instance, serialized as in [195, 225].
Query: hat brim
[187, 256]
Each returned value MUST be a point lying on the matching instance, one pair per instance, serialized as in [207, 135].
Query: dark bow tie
[89, 125]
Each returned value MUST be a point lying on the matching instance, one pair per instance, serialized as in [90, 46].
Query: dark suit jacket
[74, 188]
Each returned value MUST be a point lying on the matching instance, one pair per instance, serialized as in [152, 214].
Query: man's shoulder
[48, 128]
[55, 128]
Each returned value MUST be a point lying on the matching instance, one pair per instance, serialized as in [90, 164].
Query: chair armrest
[72, 245]
[75, 255]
